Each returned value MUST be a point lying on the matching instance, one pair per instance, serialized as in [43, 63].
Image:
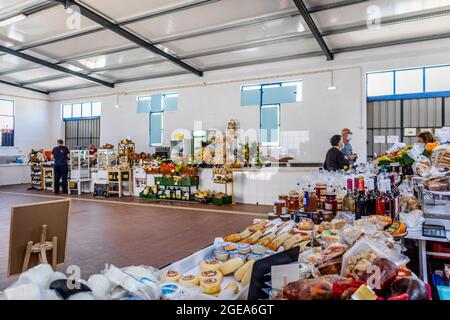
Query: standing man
[347, 147]
[60, 154]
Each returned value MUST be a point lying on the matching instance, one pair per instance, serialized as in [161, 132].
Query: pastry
[296, 238]
[239, 274]
[305, 224]
[248, 274]
[266, 240]
[254, 237]
[231, 266]
[232, 237]
[189, 281]
[210, 286]
[213, 264]
[338, 224]
[258, 249]
[244, 234]
[172, 276]
[278, 241]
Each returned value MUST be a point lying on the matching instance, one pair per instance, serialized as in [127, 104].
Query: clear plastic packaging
[416, 151]
[441, 156]
[422, 166]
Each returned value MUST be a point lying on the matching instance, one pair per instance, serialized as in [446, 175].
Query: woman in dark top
[335, 159]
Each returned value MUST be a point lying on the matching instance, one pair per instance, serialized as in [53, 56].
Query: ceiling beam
[335, 5]
[53, 66]
[88, 13]
[18, 85]
[313, 28]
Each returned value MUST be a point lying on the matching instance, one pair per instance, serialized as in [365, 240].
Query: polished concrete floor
[129, 232]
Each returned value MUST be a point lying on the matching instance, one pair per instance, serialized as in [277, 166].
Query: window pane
[67, 111]
[6, 108]
[156, 129]
[76, 110]
[299, 84]
[246, 88]
[6, 122]
[437, 79]
[380, 84]
[270, 124]
[86, 109]
[409, 81]
[96, 109]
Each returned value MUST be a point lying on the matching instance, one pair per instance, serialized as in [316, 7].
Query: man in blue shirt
[60, 155]
[347, 147]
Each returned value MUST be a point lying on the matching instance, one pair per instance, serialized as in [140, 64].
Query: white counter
[14, 173]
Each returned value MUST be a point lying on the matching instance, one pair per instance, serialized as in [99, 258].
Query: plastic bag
[416, 151]
[422, 166]
[443, 134]
[361, 256]
[441, 156]
[396, 147]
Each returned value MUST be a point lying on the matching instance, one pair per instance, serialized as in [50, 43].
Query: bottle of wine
[361, 201]
[396, 196]
[390, 201]
[371, 198]
[381, 200]
[346, 202]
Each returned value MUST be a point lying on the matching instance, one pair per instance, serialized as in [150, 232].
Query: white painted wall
[33, 122]
[214, 99]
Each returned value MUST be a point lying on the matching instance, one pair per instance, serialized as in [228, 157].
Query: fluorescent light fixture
[332, 87]
[12, 19]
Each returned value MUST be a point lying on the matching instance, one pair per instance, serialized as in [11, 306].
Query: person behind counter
[426, 137]
[60, 154]
[335, 158]
[347, 147]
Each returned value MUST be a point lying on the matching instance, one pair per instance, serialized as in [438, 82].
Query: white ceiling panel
[400, 31]
[95, 42]
[9, 62]
[62, 83]
[373, 11]
[16, 5]
[47, 24]
[142, 71]
[275, 50]
[218, 13]
[33, 74]
[119, 10]
[276, 28]
[118, 58]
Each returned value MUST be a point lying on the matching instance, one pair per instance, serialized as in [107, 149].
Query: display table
[423, 253]
[14, 173]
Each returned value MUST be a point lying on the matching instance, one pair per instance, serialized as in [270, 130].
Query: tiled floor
[129, 232]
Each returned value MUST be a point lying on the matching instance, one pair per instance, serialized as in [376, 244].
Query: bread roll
[172, 276]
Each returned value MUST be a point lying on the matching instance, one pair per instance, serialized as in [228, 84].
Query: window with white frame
[82, 110]
[156, 105]
[269, 97]
[433, 81]
[7, 119]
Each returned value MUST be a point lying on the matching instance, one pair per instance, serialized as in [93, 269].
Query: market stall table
[423, 253]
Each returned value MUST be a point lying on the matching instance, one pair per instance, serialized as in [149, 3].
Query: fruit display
[401, 156]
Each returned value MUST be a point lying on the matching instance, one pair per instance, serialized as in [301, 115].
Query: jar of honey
[284, 198]
[330, 198]
[293, 202]
[327, 216]
[278, 207]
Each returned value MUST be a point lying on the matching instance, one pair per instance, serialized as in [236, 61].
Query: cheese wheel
[210, 286]
[231, 266]
[239, 274]
[213, 264]
[189, 281]
[172, 276]
[211, 274]
[248, 274]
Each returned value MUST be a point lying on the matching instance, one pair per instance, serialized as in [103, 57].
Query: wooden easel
[41, 249]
